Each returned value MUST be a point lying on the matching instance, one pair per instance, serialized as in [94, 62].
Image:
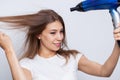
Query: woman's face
[52, 36]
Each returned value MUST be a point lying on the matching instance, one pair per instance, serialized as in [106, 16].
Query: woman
[46, 56]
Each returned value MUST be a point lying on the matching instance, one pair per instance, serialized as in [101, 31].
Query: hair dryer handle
[115, 19]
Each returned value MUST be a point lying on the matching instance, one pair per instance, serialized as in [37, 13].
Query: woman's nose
[59, 36]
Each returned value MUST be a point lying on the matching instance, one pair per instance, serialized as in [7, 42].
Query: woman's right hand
[5, 41]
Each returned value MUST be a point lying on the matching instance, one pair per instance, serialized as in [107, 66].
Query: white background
[90, 32]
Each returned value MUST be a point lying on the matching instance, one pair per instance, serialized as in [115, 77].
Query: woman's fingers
[5, 41]
[116, 33]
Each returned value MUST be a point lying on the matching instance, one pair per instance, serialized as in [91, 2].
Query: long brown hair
[35, 24]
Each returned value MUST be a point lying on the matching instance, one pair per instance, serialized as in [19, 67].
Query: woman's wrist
[9, 51]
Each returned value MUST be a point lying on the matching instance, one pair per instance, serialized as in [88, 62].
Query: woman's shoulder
[76, 57]
[25, 61]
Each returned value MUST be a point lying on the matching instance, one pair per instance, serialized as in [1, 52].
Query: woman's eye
[52, 32]
[61, 31]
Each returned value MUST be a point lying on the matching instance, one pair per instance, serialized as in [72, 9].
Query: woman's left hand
[117, 33]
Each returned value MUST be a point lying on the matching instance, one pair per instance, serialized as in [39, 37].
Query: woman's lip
[58, 44]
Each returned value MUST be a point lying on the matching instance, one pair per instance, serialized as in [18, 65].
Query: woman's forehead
[54, 26]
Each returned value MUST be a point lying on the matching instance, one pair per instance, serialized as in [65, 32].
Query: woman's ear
[38, 36]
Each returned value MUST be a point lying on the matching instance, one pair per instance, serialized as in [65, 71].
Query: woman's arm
[107, 68]
[18, 73]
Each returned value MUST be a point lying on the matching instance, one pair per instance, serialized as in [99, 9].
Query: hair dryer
[110, 5]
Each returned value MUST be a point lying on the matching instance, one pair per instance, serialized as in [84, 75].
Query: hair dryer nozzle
[77, 8]
[73, 9]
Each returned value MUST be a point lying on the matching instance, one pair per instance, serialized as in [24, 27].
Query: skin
[51, 39]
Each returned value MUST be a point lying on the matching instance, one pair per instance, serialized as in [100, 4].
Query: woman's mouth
[58, 44]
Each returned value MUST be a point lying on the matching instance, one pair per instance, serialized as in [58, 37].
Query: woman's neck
[46, 54]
